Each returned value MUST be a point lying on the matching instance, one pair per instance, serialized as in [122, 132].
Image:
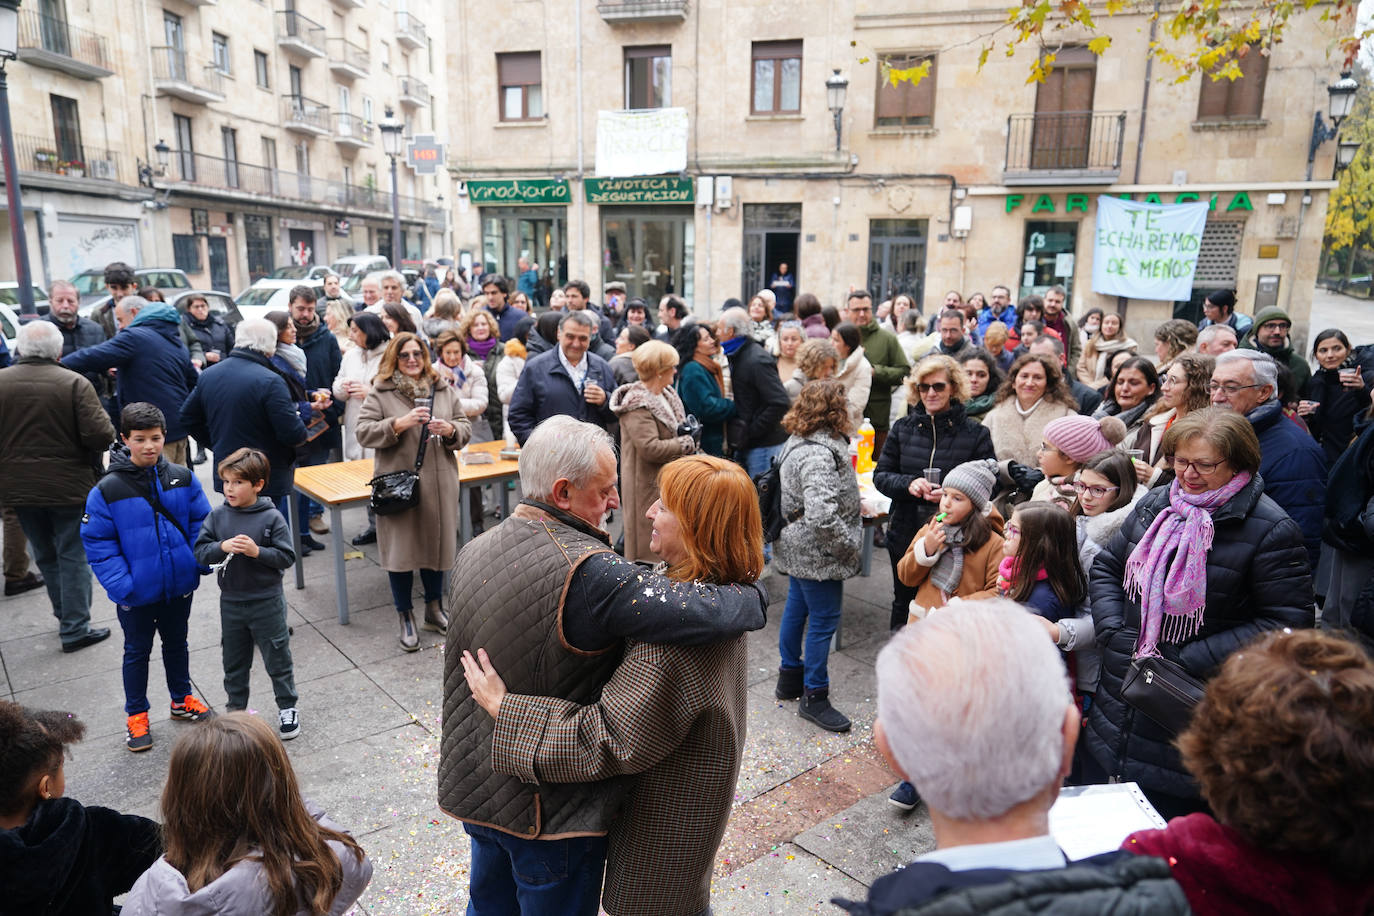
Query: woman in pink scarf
[1199, 569]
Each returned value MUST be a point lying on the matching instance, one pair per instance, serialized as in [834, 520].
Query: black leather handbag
[1162, 690]
[398, 491]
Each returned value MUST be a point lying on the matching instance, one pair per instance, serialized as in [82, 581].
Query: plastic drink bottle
[866, 438]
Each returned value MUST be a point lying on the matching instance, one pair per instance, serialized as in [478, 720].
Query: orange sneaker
[139, 739]
[192, 710]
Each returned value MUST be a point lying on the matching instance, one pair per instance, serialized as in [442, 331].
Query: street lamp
[146, 173]
[9, 50]
[392, 143]
[835, 88]
[1345, 153]
[1340, 100]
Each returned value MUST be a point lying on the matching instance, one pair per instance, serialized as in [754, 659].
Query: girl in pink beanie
[1068, 443]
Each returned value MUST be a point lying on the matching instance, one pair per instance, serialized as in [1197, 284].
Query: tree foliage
[1192, 37]
[1350, 210]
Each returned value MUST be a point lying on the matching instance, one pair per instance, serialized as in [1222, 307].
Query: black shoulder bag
[1163, 691]
[399, 491]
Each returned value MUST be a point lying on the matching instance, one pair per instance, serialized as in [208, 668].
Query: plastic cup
[932, 476]
[1136, 454]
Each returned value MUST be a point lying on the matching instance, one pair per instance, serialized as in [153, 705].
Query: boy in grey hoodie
[247, 541]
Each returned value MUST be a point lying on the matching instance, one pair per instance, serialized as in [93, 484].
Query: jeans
[431, 580]
[260, 622]
[757, 460]
[820, 600]
[169, 620]
[511, 875]
[54, 534]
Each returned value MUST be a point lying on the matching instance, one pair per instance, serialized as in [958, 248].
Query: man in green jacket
[1269, 334]
[885, 355]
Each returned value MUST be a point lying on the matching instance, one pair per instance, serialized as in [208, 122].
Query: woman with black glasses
[936, 435]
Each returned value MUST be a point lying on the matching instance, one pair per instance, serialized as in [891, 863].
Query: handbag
[398, 491]
[1162, 690]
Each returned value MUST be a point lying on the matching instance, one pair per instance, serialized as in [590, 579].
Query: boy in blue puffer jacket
[141, 520]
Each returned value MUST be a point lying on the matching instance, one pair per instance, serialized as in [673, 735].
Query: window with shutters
[905, 105]
[776, 78]
[1240, 99]
[186, 253]
[649, 76]
[262, 69]
[521, 86]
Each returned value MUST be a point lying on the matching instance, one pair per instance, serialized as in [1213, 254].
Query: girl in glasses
[1067, 443]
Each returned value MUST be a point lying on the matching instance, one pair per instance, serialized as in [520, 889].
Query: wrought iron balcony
[305, 116]
[410, 31]
[80, 160]
[414, 94]
[174, 76]
[617, 12]
[1064, 147]
[351, 131]
[46, 41]
[347, 59]
[298, 35]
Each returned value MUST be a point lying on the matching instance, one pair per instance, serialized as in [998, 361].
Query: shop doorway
[897, 258]
[772, 236]
[539, 236]
[650, 251]
[257, 232]
[219, 263]
[302, 247]
[1049, 256]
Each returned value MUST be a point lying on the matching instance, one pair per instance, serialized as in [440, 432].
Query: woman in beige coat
[649, 412]
[425, 537]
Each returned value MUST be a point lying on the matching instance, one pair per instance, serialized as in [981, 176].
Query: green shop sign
[520, 191]
[656, 189]
[1044, 203]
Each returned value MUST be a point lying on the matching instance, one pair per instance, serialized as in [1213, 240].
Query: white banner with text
[1146, 251]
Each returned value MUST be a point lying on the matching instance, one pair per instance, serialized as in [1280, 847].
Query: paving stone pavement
[811, 820]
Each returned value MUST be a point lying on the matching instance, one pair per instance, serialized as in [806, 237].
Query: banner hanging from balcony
[1146, 251]
[647, 142]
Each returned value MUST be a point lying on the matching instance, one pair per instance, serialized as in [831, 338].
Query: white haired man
[1216, 339]
[553, 624]
[974, 708]
[392, 283]
[1292, 463]
[53, 432]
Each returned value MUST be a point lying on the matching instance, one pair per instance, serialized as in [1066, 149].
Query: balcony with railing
[240, 181]
[351, 131]
[410, 31]
[45, 155]
[414, 94]
[1064, 147]
[347, 59]
[618, 12]
[298, 35]
[305, 116]
[347, 5]
[47, 41]
[175, 76]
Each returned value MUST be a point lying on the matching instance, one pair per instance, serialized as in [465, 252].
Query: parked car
[353, 269]
[221, 304]
[9, 295]
[269, 295]
[9, 327]
[308, 272]
[90, 284]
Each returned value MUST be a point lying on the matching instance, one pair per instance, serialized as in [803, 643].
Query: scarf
[1009, 576]
[481, 349]
[733, 344]
[305, 329]
[412, 387]
[1167, 571]
[949, 569]
[712, 367]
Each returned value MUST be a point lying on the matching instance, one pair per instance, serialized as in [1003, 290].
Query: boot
[789, 684]
[410, 640]
[435, 618]
[815, 707]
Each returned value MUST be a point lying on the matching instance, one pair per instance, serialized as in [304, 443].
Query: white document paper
[1090, 820]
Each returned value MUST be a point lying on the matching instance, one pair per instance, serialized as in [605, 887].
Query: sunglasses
[937, 387]
[412, 355]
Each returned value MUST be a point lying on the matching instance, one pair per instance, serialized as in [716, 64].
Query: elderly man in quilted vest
[551, 605]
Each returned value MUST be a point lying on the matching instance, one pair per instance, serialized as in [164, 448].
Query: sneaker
[290, 723]
[192, 709]
[139, 738]
[904, 797]
[318, 524]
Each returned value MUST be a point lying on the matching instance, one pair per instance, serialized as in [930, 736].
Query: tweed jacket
[676, 715]
[820, 495]
[544, 595]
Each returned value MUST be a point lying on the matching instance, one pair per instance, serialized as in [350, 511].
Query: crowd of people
[1084, 537]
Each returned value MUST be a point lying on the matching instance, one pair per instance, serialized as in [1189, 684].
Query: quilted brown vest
[506, 595]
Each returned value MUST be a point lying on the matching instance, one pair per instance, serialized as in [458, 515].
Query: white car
[354, 268]
[9, 327]
[268, 295]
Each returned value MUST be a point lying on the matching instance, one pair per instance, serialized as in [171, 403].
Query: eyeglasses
[937, 387]
[1205, 468]
[1012, 531]
[1082, 489]
[1046, 447]
[1229, 389]
[1170, 382]
[412, 354]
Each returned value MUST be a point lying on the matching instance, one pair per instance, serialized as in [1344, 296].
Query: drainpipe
[1121, 301]
[581, 192]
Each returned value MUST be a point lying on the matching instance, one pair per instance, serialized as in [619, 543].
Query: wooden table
[345, 483]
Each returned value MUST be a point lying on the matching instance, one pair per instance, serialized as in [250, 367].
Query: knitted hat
[975, 479]
[1080, 437]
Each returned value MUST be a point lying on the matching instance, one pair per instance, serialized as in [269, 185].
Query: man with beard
[322, 361]
[1270, 335]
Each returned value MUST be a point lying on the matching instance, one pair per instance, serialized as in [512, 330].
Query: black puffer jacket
[1333, 423]
[1258, 579]
[919, 441]
[212, 333]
